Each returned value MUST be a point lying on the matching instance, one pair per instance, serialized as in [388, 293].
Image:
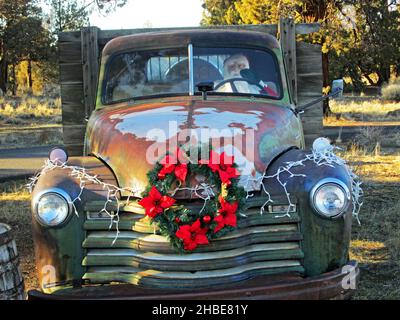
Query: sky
[151, 13]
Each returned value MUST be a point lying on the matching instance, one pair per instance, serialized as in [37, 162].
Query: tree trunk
[30, 74]
[14, 82]
[325, 77]
[3, 75]
[384, 76]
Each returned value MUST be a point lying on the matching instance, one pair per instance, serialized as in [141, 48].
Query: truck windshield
[167, 71]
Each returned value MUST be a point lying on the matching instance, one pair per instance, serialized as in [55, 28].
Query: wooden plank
[90, 65]
[73, 134]
[313, 113]
[306, 52]
[74, 149]
[309, 87]
[71, 73]
[71, 81]
[72, 94]
[69, 36]
[309, 139]
[305, 49]
[309, 97]
[73, 115]
[306, 28]
[287, 38]
[73, 111]
[313, 128]
[106, 35]
[301, 28]
[69, 52]
[309, 64]
[73, 137]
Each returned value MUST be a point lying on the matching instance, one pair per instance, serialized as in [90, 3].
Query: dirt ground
[15, 211]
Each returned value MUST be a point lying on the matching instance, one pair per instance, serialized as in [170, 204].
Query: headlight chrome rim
[58, 192]
[337, 183]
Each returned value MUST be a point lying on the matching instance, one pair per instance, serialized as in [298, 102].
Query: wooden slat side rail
[301, 28]
[90, 66]
[72, 97]
[287, 38]
[75, 36]
[309, 87]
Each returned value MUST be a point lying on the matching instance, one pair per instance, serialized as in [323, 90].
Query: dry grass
[362, 112]
[29, 110]
[391, 90]
[376, 242]
[374, 167]
[373, 107]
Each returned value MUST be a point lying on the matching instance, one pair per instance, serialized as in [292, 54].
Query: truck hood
[130, 138]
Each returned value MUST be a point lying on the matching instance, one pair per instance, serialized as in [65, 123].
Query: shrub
[391, 91]
[369, 138]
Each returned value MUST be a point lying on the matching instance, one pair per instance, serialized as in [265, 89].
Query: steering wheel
[231, 82]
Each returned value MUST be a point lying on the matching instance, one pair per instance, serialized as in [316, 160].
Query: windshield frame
[192, 86]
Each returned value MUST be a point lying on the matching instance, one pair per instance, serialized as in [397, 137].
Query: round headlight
[330, 198]
[52, 209]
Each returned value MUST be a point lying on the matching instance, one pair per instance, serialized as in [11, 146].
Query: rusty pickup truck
[292, 238]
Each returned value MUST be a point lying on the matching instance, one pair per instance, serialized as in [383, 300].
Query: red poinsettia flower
[155, 202]
[227, 215]
[223, 164]
[171, 164]
[192, 235]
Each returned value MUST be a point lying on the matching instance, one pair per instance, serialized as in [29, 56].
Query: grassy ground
[375, 243]
[30, 121]
[363, 112]
[29, 111]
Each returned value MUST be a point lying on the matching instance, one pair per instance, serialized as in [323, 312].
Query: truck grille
[262, 245]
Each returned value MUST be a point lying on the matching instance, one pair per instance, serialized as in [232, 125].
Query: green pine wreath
[184, 228]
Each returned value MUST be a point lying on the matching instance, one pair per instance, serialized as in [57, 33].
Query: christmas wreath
[223, 198]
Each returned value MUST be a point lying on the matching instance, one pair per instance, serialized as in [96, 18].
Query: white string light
[206, 194]
[320, 156]
[85, 178]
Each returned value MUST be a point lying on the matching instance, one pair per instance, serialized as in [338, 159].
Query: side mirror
[337, 87]
[337, 91]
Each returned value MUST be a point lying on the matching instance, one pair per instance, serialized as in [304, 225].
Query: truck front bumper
[336, 284]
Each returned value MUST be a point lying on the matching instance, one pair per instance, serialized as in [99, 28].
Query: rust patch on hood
[130, 138]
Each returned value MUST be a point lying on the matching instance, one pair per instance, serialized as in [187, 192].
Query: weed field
[29, 111]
